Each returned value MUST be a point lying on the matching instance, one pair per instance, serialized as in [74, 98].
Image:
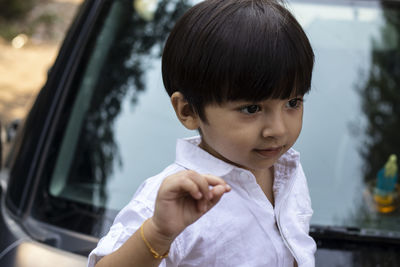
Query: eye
[294, 103]
[250, 109]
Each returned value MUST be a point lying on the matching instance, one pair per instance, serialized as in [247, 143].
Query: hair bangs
[262, 59]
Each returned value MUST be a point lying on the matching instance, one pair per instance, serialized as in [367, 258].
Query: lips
[269, 152]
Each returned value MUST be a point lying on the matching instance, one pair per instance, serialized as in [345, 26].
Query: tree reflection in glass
[380, 97]
[117, 66]
[137, 41]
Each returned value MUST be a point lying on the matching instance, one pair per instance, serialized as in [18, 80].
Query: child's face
[252, 135]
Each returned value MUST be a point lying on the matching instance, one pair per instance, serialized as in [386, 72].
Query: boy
[237, 71]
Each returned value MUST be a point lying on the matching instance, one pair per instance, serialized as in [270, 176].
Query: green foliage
[15, 9]
[46, 19]
[381, 97]
[8, 30]
[11, 26]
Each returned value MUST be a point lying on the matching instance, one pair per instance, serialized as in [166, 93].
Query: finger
[214, 180]
[218, 191]
[189, 186]
[201, 182]
[202, 205]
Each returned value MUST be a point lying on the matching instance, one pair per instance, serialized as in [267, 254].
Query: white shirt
[243, 229]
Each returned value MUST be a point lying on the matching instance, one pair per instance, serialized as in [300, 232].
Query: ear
[184, 111]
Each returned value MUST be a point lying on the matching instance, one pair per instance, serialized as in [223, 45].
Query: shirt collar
[285, 169]
[190, 156]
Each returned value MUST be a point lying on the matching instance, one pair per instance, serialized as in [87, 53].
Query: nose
[274, 126]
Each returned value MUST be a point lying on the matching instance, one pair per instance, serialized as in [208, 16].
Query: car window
[351, 118]
[121, 128]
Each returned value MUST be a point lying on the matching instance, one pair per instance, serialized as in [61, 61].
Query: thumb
[218, 191]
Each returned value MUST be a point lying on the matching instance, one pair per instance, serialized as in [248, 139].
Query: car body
[103, 123]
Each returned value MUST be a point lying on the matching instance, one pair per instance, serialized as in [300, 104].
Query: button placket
[249, 183]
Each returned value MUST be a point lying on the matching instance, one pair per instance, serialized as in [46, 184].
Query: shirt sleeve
[131, 217]
[125, 225]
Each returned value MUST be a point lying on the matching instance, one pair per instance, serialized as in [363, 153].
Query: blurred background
[31, 32]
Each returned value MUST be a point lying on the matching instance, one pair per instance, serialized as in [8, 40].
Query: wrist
[157, 235]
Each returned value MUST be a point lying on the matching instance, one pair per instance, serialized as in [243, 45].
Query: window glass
[121, 128]
[351, 118]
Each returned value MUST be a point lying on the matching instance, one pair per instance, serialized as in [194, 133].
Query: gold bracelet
[152, 251]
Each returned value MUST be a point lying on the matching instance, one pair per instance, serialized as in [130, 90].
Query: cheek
[228, 140]
[295, 127]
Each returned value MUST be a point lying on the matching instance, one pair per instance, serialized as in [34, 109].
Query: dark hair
[222, 50]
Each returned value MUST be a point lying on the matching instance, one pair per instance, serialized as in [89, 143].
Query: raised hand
[183, 198]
